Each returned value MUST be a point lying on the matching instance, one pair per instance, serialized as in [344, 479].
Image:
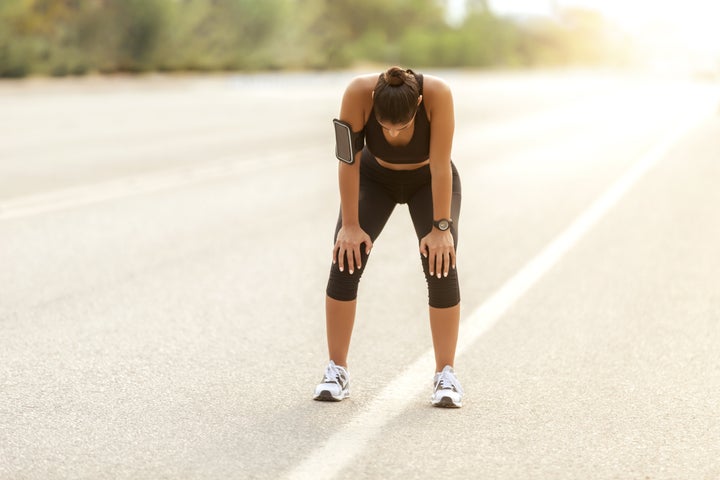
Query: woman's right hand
[349, 239]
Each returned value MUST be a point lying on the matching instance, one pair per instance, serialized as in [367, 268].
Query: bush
[73, 37]
[17, 56]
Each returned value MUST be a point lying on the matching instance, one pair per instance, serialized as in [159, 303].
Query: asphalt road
[164, 248]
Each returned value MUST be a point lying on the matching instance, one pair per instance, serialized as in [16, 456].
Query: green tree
[224, 34]
[339, 26]
[59, 37]
[36, 33]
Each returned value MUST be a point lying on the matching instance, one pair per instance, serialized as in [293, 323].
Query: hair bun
[395, 76]
[396, 95]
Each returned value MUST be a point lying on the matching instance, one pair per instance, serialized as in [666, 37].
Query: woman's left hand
[439, 248]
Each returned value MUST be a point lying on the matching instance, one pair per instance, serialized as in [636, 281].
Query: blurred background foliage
[75, 37]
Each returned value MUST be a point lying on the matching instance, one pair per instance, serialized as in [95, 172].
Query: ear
[419, 100]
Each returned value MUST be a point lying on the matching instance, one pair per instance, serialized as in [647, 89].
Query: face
[395, 129]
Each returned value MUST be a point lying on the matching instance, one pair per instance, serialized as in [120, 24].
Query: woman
[408, 123]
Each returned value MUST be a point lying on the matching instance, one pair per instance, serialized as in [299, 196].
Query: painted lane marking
[82, 195]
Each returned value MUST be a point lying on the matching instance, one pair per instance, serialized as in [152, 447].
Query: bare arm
[351, 235]
[439, 246]
[442, 128]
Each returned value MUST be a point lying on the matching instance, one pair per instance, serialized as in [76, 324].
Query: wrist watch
[443, 224]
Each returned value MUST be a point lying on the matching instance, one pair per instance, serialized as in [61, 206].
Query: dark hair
[396, 95]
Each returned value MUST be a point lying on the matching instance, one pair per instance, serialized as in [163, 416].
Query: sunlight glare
[691, 24]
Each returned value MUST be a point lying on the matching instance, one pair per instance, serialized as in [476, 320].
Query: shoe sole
[446, 402]
[326, 396]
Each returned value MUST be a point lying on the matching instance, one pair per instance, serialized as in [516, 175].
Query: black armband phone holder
[347, 142]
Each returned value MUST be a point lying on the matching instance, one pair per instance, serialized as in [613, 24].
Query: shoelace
[333, 374]
[446, 380]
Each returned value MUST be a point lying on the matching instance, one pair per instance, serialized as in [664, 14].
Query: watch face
[443, 225]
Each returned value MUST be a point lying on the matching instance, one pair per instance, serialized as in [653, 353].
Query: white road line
[341, 448]
[72, 197]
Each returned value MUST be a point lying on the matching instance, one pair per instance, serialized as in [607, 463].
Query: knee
[343, 286]
[442, 292]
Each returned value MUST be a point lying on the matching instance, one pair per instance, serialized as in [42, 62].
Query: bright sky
[694, 23]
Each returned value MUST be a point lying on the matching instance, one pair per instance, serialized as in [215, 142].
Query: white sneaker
[335, 384]
[447, 392]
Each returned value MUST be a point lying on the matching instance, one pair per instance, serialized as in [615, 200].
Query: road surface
[164, 248]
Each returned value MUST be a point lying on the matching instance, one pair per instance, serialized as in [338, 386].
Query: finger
[446, 264]
[368, 244]
[341, 258]
[335, 253]
[452, 258]
[358, 257]
[350, 260]
[431, 261]
[438, 264]
[423, 248]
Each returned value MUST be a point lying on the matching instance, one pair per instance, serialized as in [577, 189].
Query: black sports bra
[416, 151]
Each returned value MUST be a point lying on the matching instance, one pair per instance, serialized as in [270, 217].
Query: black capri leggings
[380, 190]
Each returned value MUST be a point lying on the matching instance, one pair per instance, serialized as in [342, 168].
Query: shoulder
[437, 98]
[361, 86]
[357, 101]
[436, 90]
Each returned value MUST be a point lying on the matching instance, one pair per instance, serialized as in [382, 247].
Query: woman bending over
[407, 121]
